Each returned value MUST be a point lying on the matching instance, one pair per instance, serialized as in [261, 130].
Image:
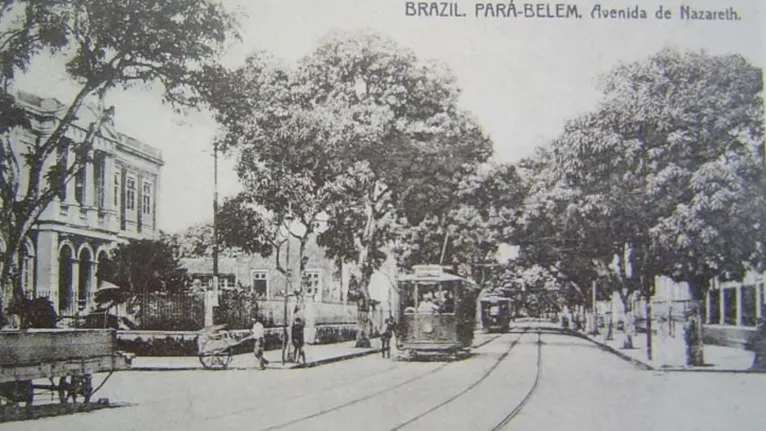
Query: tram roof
[431, 273]
[432, 278]
[495, 297]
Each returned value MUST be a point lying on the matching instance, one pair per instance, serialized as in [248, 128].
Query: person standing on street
[385, 337]
[258, 335]
[297, 336]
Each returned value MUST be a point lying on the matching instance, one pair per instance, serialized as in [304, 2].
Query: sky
[521, 78]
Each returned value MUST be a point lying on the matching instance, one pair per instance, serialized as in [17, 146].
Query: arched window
[65, 290]
[2, 254]
[28, 269]
[84, 278]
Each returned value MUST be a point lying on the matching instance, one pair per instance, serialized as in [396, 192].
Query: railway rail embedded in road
[383, 391]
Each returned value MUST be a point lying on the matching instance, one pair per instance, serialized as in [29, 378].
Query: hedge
[186, 344]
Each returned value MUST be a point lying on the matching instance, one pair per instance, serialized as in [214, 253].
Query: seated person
[448, 306]
[427, 306]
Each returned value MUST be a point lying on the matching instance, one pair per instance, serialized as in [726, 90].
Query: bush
[166, 345]
[334, 334]
[39, 311]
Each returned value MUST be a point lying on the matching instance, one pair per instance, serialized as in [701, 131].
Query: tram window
[436, 297]
[427, 294]
[407, 298]
[447, 305]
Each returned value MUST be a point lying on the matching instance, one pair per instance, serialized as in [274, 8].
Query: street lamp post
[215, 221]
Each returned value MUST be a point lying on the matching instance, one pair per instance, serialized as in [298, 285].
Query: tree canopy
[106, 45]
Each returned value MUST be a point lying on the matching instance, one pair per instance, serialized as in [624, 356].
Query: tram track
[392, 388]
[506, 420]
[310, 394]
[464, 391]
[538, 370]
[336, 386]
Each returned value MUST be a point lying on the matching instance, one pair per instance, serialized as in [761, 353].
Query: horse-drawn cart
[67, 359]
[215, 347]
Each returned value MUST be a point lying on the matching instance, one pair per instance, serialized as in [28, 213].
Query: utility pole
[288, 288]
[211, 295]
[648, 307]
[215, 221]
[595, 312]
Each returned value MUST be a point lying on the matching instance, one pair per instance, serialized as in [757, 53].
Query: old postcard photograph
[382, 215]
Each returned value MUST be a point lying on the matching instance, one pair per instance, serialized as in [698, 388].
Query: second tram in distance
[495, 312]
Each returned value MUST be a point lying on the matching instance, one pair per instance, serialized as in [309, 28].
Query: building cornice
[55, 112]
[52, 226]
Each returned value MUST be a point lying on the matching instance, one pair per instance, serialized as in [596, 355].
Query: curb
[325, 361]
[643, 365]
[485, 342]
[309, 364]
[607, 348]
[711, 370]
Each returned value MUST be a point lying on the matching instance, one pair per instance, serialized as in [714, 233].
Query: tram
[495, 312]
[437, 312]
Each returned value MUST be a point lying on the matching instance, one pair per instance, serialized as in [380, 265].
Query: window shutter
[123, 177]
[139, 202]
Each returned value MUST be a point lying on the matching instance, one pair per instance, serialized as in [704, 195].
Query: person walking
[297, 337]
[259, 338]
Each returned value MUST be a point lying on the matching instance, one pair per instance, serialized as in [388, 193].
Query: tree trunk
[363, 314]
[693, 330]
[648, 327]
[629, 325]
[365, 267]
[13, 298]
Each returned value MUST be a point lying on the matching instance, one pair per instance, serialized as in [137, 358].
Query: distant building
[323, 279]
[259, 274]
[733, 308]
[112, 200]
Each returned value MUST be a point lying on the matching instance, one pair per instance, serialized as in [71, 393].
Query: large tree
[467, 231]
[405, 144]
[106, 45]
[670, 170]
[286, 160]
[360, 133]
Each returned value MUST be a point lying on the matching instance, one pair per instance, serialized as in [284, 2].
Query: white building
[113, 199]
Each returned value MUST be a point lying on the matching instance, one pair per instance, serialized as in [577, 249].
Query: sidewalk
[315, 355]
[669, 353]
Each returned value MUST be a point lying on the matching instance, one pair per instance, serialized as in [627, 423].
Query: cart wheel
[12, 393]
[30, 393]
[85, 387]
[215, 360]
[74, 386]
